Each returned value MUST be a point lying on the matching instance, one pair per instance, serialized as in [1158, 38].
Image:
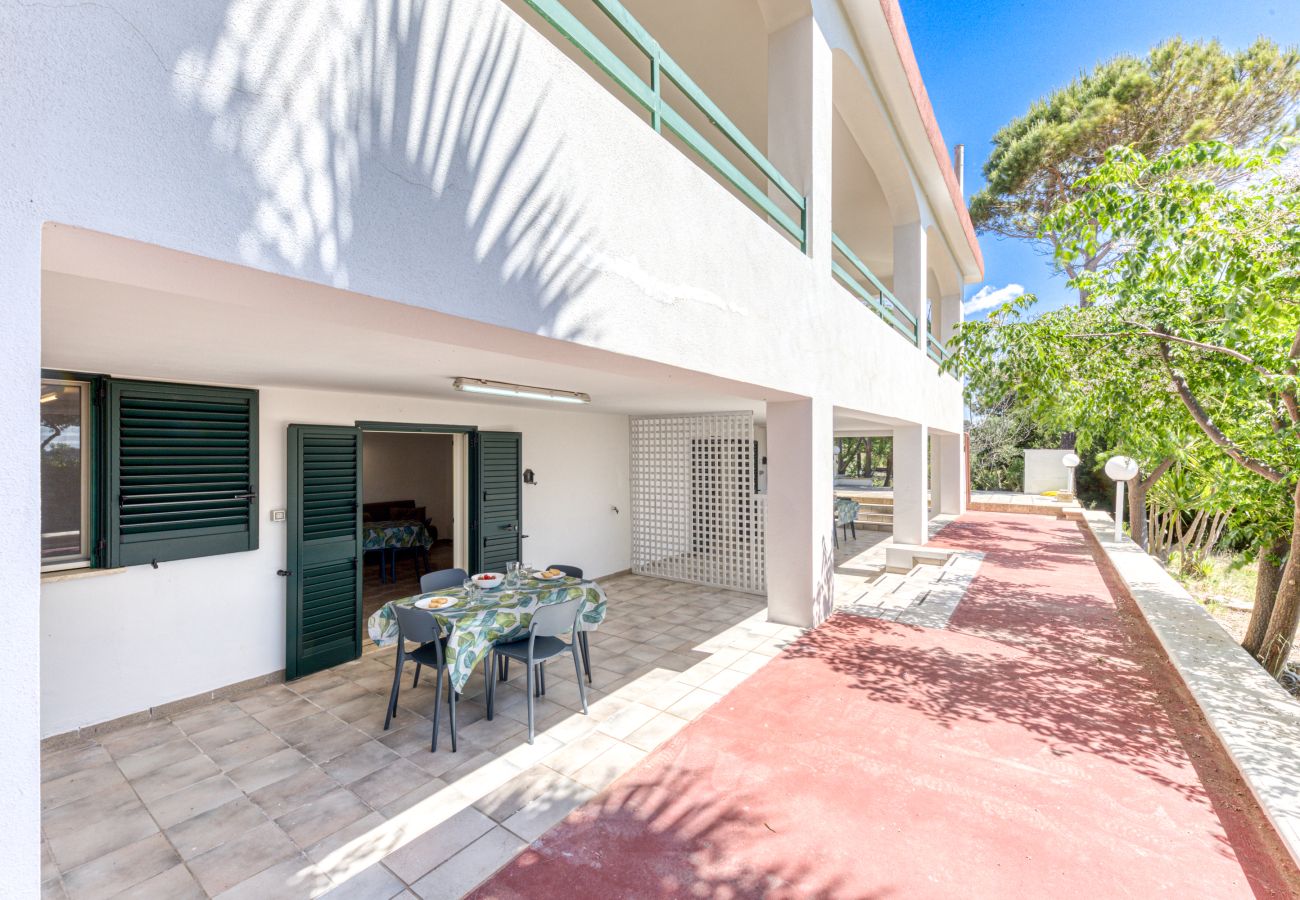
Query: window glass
[65, 473]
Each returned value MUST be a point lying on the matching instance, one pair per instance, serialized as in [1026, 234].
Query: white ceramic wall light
[1070, 461]
[1120, 469]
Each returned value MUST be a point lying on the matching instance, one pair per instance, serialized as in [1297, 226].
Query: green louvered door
[496, 518]
[324, 548]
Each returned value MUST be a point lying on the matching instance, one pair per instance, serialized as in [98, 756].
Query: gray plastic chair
[420, 627]
[543, 643]
[438, 581]
[442, 579]
[575, 572]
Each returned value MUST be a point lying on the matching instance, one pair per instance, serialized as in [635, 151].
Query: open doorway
[412, 492]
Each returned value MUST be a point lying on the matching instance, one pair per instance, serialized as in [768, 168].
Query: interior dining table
[474, 623]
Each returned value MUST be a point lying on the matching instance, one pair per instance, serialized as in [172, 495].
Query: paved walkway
[1037, 746]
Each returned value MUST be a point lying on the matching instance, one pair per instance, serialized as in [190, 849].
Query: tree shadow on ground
[651, 836]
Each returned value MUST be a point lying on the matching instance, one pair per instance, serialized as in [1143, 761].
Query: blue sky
[984, 63]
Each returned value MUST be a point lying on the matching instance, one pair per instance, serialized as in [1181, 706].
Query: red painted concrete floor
[1037, 747]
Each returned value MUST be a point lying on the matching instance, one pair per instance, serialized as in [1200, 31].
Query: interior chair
[543, 643]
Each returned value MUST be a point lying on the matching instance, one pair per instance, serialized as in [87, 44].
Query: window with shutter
[182, 471]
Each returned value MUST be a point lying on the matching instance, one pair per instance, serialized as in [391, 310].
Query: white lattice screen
[695, 516]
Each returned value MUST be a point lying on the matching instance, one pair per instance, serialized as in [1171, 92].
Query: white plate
[540, 577]
[434, 602]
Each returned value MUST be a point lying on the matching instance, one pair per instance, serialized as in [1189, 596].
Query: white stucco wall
[19, 547]
[114, 644]
[520, 193]
[1044, 471]
[363, 145]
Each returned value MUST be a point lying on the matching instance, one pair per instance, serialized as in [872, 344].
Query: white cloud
[989, 296]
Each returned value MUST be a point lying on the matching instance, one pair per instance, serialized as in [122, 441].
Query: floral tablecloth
[499, 615]
[395, 534]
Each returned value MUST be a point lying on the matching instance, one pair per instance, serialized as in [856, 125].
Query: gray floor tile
[357, 835]
[172, 778]
[119, 819]
[250, 749]
[174, 884]
[374, 883]
[265, 698]
[460, 874]
[319, 818]
[213, 828]
[438, 844]
[359, 762]
[189, 802]
[228, 732]
[116, 871]
[270, 769]
[207, 717]
[74, 759]
[224, 867]
[294, 878]
[283, 713]
[290, 793]
[137, 765]
[387, 784]
[80, 784]
[341, 694]
[139, 737]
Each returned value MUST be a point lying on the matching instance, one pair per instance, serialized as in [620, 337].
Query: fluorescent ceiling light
[521, 391]
[49, 396]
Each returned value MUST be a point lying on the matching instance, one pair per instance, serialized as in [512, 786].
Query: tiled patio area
[296, 790]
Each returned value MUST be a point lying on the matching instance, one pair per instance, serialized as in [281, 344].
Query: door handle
[509, 526]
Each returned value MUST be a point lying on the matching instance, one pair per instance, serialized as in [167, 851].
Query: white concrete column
[947, 316]
[910, 273]
[911, 512]
[20, 529]
[799, 120]
[800, 511]
[949, 489]
[936, 476]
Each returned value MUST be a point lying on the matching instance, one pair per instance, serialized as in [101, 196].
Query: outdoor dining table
[473, 625]
[389, 536]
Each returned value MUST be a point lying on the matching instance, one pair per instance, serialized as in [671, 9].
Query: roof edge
[893, 14]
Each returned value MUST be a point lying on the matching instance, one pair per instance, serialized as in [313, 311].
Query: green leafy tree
[1063, 390]
[1196, 324]
[1181, 92]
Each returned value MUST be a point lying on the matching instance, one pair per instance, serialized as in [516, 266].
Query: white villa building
[719, 234]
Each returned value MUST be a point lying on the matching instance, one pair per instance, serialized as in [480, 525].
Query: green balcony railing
[649, 95]
[936, 350]
[863, 283]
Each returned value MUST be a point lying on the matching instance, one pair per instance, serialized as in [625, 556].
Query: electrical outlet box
[277, 515]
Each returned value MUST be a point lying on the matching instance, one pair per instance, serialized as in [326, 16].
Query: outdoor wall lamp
[522, 391]
[1070, 461]
[1120, 469]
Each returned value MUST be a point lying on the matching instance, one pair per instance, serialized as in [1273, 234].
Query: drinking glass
[471, 588]
[512, 573]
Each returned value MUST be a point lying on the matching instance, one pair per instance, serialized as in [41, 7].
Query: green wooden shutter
[496, 488]
[323, 613]
[182, 471]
